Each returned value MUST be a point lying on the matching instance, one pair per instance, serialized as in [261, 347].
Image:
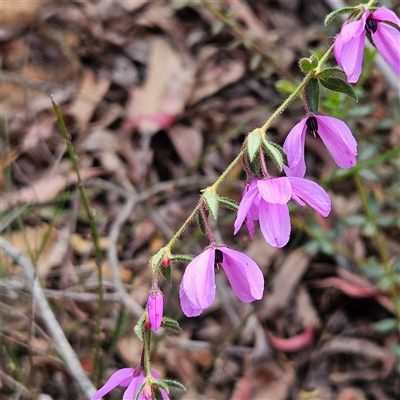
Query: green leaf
[139, 326]
[274, 151]
[330, 17]
[338, 85]
[161, 384]
[312, 95]
[229, 203]
[308, 64]
[386, 325]
[328, 72]
[176, 384]
[211, 199]
[182, 257]
[254, 143]
[171, 324]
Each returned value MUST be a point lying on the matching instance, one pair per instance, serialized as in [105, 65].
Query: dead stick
[64, 348]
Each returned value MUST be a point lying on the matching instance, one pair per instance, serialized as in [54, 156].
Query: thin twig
[127, 300]
[64, 348]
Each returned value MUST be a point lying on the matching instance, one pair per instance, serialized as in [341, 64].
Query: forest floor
[157, 97]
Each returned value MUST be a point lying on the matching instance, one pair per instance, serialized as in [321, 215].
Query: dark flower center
[312, 125]
[371, 25]
[219, 257]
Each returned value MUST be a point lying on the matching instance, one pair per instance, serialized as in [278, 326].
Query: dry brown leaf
[165, 92]
[129, 348]
[215, 77]
[46, 188]
[132, 5]
[351, 393]
[285, 283]
[91, 91]
[188, 142]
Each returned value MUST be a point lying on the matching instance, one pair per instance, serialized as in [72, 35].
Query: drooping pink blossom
[266, 200]
[349, 44]
[132, 379]
[155, 308]
[335, 134]
[197, 291]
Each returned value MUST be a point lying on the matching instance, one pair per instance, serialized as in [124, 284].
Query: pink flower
[155, 308]
[335, 134]
[132, 379]
[266, 200]
[197, 290]
[349, 44]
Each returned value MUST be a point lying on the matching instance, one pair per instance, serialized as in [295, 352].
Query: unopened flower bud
[166, 262]
[155, 308]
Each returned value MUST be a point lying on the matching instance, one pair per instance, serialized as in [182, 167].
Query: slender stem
[206, 224]
[146, 351]
[93, 228]
[381, 246]
[184, 226]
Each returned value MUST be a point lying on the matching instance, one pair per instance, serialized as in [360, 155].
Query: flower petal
[352, 53]
[339, 140]
[384, 14]
[275, 190]
[294, 148]
[244, 275]
[249, 195]
[275, 223]
[387, 41]
[133, 388]
[122, 377]
[337, 50]
[313, 194]
[197, 290]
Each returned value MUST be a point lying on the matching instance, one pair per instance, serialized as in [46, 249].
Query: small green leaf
[312, 95]
[330, 17]
[139, 326]
[182, 257]
[308, 64]
[171, 324]
[211, 199]
[254, 143]
[176, 384]
[229, 203]
[328, 72]
[386, 325]
[274, 151]
[217, 27]
[161, 384]
[338, 85]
